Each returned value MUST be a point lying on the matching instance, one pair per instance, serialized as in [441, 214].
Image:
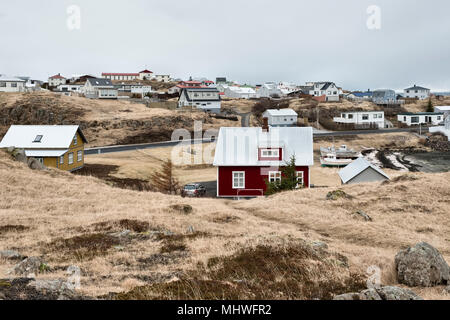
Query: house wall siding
[255, 177]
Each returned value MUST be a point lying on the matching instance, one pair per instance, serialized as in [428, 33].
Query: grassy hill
[206, 248]
[104, 122]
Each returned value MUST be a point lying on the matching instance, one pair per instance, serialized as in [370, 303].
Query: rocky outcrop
[382, 293]
[19, 155]
[30, 267]
[11, 255]
[421, 266]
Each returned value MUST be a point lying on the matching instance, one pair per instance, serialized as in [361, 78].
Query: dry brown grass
[59, 207]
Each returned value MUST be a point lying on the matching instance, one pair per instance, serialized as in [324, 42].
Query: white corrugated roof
[45, 153]
[12, 79]
[239, 146]
[53, 137]
[443, 108]
[281, 112]
[356, 167]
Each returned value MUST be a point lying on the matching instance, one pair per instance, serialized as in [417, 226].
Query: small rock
[421, 266]
[447, 290]
[396, 293]
[319, 245]
[11, 255]
[121, 234]
[50, 286]
[363, 215]
[383, 293]
[337, 194]
[30, 266]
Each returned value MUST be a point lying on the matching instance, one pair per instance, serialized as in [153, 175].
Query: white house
[70, 88]
[427, 118]
[268, 90]
[442, 109]
[161, 77]
[236, 92]
[362, 171]
[99, 89]
[11, 84]
[362, 118]
[327, 89]
[445, 129]
[56, 80]
[205, 98]
[281, 117]
[417, 92]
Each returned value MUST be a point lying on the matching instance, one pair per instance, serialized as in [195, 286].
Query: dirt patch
[225, 219]
[182, 208]
[13, 228]
[263, 272]
[103, 172]
[124, 224]
[177, 242]
[83, 247]
[161, 259]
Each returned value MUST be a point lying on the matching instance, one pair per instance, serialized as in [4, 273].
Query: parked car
[193, 190]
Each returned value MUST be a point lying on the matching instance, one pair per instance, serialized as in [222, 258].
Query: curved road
[131, 147]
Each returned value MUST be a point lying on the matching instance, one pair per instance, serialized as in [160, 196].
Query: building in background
[327, 91]
[143, 75]
[269, 90]
[362, 119]
[417, 92]
[204, 98]
[418, 118]
[281, 117]
[11, 84]
[56, 80]
[99, 88]
[385, 97]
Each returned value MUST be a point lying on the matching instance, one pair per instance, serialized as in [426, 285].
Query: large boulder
[421, 266]
[382, 293]
[11, 255]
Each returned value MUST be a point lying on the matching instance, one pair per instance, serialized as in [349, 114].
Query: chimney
[265, 127]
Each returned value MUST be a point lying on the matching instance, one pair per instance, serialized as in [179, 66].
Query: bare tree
[164, 179]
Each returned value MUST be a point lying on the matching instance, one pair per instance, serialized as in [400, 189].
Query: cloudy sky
[250, 41]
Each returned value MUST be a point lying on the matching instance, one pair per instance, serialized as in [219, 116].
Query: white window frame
[71, 158]
[274, 153]
[275, 176]
[79, 155]
[75, 140]
[302, 175]
[61, 159]
[239, 186]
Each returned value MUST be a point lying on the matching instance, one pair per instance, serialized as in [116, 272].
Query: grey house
[361, 171]
[384, 96]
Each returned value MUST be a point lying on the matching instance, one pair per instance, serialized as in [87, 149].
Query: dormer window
[270, 154]
[38, 138]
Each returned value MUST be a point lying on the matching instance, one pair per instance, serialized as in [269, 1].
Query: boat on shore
[330, 160]
[343, 152]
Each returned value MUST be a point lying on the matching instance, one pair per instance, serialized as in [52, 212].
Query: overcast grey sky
[251, 41]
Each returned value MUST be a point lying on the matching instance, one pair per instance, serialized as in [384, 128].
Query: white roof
[239, 146]
[53, 137]
[281, 112]
[6, 78]
[443, 108]
[356, 167]
[45, 153]
[242, 89]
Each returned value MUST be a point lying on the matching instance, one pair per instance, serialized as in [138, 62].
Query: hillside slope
[74, 220]
[105, 122]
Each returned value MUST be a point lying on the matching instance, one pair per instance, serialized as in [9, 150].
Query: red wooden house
[246, 157]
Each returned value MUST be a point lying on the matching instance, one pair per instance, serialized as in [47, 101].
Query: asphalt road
[131, 147]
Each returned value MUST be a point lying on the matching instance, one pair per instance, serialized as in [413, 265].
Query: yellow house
[59, 147]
